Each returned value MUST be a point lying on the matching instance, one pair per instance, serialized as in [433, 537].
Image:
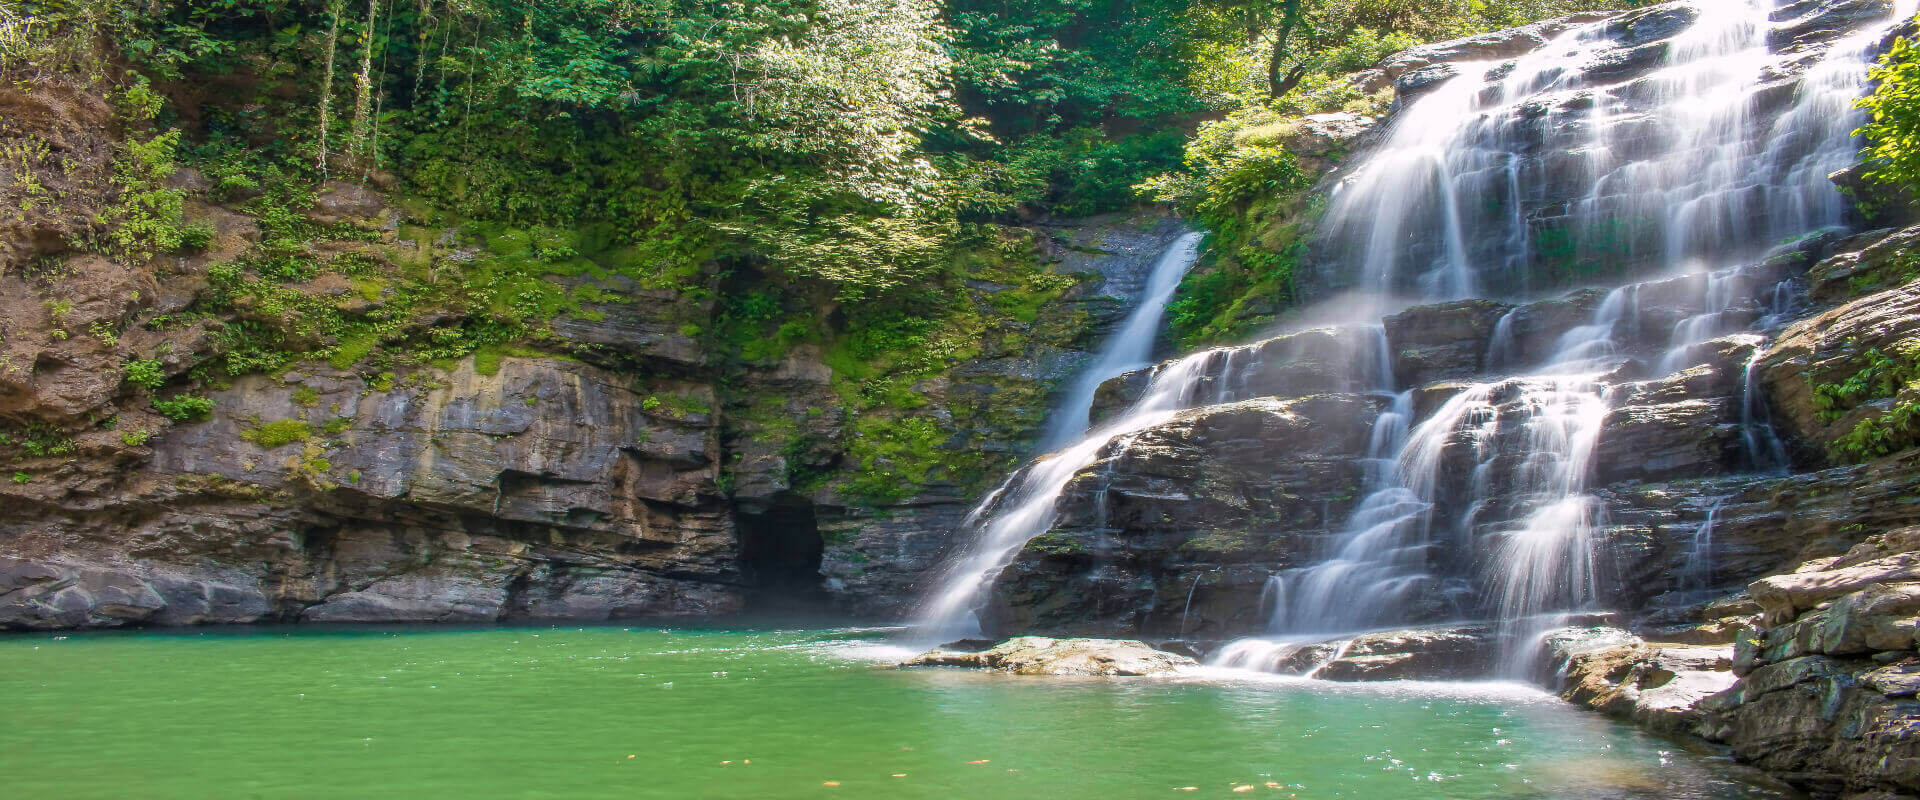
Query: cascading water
[1026, 506]
[1480, 508]
[1129, 348]
[1681, 154]
[1023, 507]
[1677, 164]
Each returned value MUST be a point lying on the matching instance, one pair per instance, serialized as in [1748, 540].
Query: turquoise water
[634, 712]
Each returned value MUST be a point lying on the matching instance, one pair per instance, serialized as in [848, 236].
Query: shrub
[144, 373]
[1893, 126]
[184, 407]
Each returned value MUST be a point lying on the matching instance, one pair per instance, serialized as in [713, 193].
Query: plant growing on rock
[278, 433]
[144, 373]
[183, 408]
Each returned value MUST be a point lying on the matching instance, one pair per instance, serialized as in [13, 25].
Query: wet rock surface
[1659, 686]
[1039, 655]
[1426, 654]
[1171, 531]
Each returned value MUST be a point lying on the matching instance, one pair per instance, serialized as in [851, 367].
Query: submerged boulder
[1040, 655]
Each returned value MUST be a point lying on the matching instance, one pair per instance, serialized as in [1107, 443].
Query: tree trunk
[326, 85]
[1280, 79]
[363, 86]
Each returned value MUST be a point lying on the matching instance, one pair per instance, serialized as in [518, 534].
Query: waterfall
[1678, 165]
[1026, 506]
[1682, 154]
[1699, 567]
[1474, 496]
[1129, 348]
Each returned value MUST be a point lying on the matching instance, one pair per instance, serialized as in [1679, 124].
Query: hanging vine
[326, 83]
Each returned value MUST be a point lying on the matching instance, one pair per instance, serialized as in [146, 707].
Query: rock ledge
[1039, 655]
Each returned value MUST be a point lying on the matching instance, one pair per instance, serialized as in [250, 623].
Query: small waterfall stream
[1704, 159]
[1023, 507]
[1129, 348]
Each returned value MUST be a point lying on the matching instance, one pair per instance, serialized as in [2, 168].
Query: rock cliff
[631, 462]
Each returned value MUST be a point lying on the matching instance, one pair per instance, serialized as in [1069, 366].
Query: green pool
[639, 712]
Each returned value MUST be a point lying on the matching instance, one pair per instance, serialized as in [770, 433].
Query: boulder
[1039, 655]
[1660, 687]
[1414, 654]
[1441, 342]
[342, 201]
[37, 595]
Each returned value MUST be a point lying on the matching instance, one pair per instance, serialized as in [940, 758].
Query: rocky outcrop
[1659, 687]
[1821, 690]
[1862, 601]
[1834, 726]
[1037, 655]
[1425, 654]
[1828, 682]
[1877, 334]
[1171, 531]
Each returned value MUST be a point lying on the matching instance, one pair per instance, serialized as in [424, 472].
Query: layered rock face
[1175, 530]
[633, 472]
[1819, 686]
[1202, 491]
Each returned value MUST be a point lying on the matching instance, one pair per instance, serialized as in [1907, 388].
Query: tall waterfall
[1713, 154]
[1679, 152]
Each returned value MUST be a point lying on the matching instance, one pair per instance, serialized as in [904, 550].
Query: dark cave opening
[780, 550]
